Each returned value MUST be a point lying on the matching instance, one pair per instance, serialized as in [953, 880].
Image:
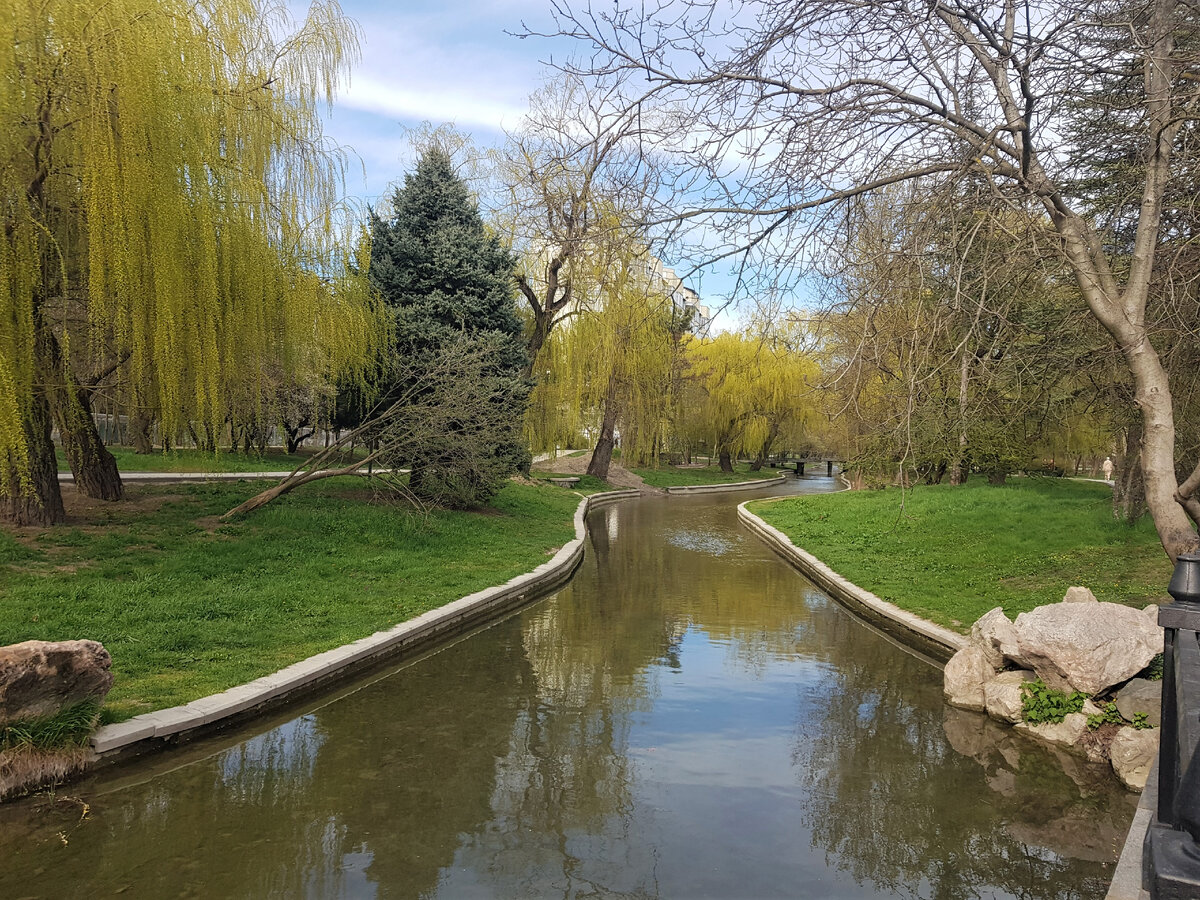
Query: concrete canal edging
[165, 726]
[942, 643]
[911, 630]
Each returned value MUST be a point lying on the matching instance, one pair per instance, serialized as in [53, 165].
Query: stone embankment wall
[919, 634]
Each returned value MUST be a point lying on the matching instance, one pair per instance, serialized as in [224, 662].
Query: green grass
[71, 727]
[952, 553]
[274, 460]
[188, 606]
[673, 476]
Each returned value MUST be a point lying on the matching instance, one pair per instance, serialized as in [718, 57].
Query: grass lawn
[188, 606]
[952, 553]
[274, 460]
[674, 476]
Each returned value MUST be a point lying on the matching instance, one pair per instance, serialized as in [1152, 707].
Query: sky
[456, 61]
[434, 62]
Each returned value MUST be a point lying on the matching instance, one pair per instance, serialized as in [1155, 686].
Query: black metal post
[829, 467]
[1171, 859]
[799, 468]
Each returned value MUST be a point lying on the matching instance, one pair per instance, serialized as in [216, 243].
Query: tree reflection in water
[687, 718]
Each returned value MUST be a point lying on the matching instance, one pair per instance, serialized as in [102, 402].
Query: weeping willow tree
[745, 393]
[607, 369]
[170, 213]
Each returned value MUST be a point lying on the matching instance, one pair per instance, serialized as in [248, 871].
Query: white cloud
[464, 104]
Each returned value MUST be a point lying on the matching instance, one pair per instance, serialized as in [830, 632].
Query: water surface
[688, 718]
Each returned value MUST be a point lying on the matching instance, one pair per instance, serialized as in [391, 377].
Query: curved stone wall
[148, 731]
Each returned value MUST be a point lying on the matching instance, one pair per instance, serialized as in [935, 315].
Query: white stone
[1132, 753]
[993, 632]
[1066, 733]
[1002, 695]
[964, 678]
[1079, 594]
[1086, 646]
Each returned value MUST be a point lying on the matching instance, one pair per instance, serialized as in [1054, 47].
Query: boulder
[1132, 753]
[1002, 695]
[1086, 646]
[964, 678]
[995, 635]
[40, 678]
[1141, 695]
[1065, 734]
[1079, 594]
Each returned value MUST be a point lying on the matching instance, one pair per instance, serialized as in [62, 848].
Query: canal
[688, 718]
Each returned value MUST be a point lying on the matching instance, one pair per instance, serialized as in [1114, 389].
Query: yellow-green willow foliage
[609, 363]
[747, 395]
[170, 205]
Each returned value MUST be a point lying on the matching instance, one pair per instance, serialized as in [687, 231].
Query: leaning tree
[169, 219]
[788, 109]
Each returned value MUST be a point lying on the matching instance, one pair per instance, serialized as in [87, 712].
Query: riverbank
[189, 606]
[686, 476]
[949, 554]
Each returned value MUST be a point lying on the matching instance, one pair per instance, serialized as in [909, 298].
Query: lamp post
[1171, 862]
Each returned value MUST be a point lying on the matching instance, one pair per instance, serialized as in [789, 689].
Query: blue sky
[436, 62]
[459, 62]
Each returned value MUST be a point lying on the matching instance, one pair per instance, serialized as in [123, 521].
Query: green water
[688, 718]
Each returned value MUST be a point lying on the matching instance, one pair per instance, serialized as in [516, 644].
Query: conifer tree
[444, 278]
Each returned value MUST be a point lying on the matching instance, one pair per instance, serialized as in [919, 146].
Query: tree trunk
[602, 455]
[37, 501]
[538, 335]
[295, 438]
[997, 478]
[94, 468]
[958, 469]
[726, 460]
[1129, 487]
[139, 427]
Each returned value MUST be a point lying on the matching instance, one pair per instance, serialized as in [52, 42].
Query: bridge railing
[1171, 855]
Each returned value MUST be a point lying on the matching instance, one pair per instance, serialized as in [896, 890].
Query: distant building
[683, 297]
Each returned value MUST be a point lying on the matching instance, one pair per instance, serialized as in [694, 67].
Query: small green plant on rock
[1141, 721]
[1154, 671]
[1108, 715]
[1041, 704]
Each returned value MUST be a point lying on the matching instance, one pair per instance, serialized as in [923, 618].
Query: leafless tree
[574, 167]
[791, 108]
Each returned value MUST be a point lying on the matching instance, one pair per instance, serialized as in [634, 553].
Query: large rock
[1132, 753]
[39, 678]
[995, 635]
[1003, 698]
[1079, 594]
[1141, 696]
[1065, 734]
[1086, 646]
[964, 677]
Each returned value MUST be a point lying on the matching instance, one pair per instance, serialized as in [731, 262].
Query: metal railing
[1171, 855]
